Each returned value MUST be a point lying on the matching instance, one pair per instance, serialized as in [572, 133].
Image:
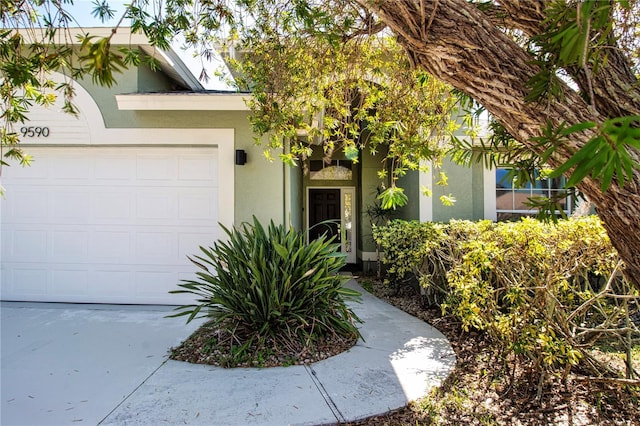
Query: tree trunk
[457, 43]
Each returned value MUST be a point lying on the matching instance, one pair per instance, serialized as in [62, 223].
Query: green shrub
[545, 291]
[268, 283]
[406, 245]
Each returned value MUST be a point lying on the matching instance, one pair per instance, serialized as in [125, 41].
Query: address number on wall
[34, 132]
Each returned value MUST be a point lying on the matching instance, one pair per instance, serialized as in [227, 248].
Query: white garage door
[106, 224]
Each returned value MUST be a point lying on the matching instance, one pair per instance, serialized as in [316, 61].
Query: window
[512, 201]
[336, 170]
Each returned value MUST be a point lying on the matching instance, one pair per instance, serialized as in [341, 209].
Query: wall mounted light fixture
[241, 157]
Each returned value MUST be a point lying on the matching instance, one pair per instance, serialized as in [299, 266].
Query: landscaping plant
[548, 293]
[270, 285]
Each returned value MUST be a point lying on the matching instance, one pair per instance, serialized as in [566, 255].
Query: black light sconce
[241, 157]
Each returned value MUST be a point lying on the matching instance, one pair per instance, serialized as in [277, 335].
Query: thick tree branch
[525, 15]
[613, 86]
[466, 50]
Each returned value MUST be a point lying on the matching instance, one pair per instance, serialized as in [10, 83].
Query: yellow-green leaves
[542, 291]
[100, 60]
[448, 200]
[393, 198]
[345, 95]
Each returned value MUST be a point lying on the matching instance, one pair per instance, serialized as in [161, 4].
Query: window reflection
[512, 200]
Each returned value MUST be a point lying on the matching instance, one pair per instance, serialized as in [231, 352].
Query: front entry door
[324, 213]
[331, 212]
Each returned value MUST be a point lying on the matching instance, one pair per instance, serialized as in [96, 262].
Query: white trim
[425, 202]
[122, 36]
[351, 256]
[489, 184]
[183, 102]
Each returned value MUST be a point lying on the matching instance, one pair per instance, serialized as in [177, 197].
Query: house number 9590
[34, 132]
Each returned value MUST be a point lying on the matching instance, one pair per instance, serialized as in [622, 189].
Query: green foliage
[406, 244]
[606, 155]
[101, 61]
[268, 283]
[392, 198]
[337, 88]
[578, 38]
[546, 292]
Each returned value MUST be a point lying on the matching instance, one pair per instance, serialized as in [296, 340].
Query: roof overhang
[202, 101]
[168, 60]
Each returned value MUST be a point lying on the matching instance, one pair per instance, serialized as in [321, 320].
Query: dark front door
[324, 213]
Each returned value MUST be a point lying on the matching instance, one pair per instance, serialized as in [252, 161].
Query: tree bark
[461, 45]
[613, 88]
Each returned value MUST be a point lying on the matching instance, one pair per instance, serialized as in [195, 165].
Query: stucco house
[118, 197]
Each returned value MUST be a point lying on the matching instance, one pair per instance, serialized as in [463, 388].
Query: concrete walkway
[93, 364]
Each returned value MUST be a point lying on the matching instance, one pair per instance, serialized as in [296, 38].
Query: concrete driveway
[68, 364]
[94, 364]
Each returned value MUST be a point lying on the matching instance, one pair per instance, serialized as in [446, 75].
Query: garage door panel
[112, 225]
[196, 169]
[71, 205]
[156, 247]
[189, 244]
[148, 281]
[68, 246]
[114, 284]
[72, 169]
[25, 206]
[156, 168]
[197, 205]
[156, 204]
[112, 246]
[28, 281]
[24, 244]
[69, 282]
[111, 207]
[117, 169]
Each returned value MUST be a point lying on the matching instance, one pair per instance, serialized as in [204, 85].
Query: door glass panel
[348, 220]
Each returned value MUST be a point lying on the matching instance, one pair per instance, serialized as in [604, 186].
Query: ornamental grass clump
[269, 285]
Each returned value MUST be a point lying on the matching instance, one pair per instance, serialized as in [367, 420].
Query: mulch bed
[214, 346]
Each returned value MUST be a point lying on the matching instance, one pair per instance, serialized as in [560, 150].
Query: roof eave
[183, 101]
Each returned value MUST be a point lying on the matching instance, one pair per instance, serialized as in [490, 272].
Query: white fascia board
[183, 102]
[122, 36]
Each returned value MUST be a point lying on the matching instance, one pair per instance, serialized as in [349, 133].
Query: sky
[81, 11]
